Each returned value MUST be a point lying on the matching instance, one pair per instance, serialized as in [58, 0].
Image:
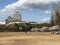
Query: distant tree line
[22, 27]
[16, 27]
[41, 25]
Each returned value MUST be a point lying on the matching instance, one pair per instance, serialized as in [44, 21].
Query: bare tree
[56, 13]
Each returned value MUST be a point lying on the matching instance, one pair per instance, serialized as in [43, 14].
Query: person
[25, 31]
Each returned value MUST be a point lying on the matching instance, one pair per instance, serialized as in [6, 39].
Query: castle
[16, 18]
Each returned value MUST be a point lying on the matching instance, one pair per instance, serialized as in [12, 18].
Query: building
[9, 19]
[16, 18]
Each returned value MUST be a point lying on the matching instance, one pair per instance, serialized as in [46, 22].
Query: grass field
[31, 38]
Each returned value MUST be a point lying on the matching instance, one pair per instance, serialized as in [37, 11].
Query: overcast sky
[33, 10]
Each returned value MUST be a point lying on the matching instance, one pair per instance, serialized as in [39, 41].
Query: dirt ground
[31, 38]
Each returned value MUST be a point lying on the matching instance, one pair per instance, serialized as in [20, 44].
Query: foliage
[41, 25]
[52, 21]
[26, 27]
[57, 18]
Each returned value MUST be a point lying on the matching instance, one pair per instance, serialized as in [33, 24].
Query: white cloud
[27, 4]
[47, 12]
[2, 22]
[46, 20]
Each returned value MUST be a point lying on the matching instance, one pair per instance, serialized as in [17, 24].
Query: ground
[31, 38]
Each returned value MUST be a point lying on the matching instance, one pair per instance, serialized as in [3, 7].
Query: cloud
[47, 12]
[46, 20]
[26, 4]
[2, 22]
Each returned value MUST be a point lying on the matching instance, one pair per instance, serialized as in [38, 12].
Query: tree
[26, 27]
[17, 26]
[57, 18]
[52, 21]
[56, 13]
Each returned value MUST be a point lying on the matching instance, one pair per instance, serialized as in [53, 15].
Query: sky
[32, 10]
